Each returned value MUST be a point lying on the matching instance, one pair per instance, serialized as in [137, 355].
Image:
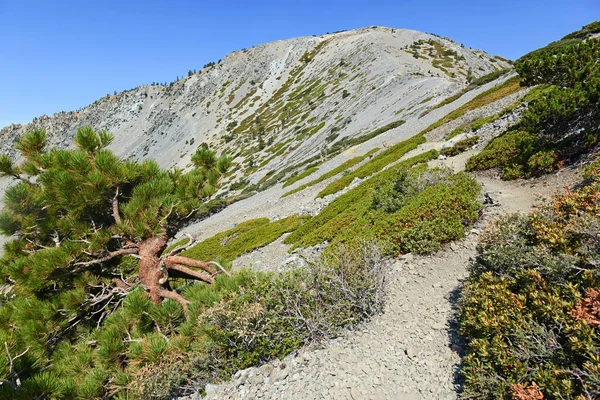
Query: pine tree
[571, 104]
[76, 213]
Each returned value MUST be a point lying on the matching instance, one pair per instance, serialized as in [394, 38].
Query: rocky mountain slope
[277, 105]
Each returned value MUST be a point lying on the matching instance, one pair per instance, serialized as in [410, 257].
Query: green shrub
[460, 146]
[542, 162]
[500, 151]
[375, 165]
[518, 154]
[436, 213]
[433, 209]
[563, 115]
[279, 313]
[406, 185]
[349, 209]
[245, 237]
[512, 172]
[300, 176]
[340, 168]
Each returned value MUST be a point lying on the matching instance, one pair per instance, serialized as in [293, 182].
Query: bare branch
[122, 284]
[115, 207]
[190, 262]
[168, 214]
[190, 273]
[11, 361]
[179, 249]
[109, 256]
[223, 270]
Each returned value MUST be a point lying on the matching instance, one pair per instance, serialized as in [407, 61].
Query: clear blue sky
[62, 55]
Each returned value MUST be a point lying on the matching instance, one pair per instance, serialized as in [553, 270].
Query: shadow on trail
[456, 341]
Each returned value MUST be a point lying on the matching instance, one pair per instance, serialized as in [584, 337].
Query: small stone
[274, 375]
[256, 379]
[265, 369]
[354, 393]
[410, 352]
[210, 388]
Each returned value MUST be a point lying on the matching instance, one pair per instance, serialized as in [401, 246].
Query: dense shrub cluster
[572, 104]
[562, 121]
[512, 151]
[406, 210]
[531, 307]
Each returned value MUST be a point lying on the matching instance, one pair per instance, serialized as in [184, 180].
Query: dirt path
[410, 351]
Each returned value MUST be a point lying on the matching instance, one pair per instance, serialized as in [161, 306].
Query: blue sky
[63, 55]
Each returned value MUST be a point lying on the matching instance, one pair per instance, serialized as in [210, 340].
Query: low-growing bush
[501, 151]
[405, 210]
[375, 165]
[529, 312]
[340, 168]
[274, 316]
[349, 209]
[245, 237]
[519, 153]
[407, 184]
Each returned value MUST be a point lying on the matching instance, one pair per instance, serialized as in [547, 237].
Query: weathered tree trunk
[156, 267]
[152, 273]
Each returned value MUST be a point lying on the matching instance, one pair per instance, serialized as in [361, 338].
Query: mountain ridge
[302, 94]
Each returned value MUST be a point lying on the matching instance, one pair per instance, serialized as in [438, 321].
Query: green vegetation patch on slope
[421, 217]
[378, 162]
[505, 151]
[245, 237]
[496, 93]
[584, 32]
[340, 168]
[529, 312]
[533, 94]
[300, 176]
[482, 80]
[348, 142]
